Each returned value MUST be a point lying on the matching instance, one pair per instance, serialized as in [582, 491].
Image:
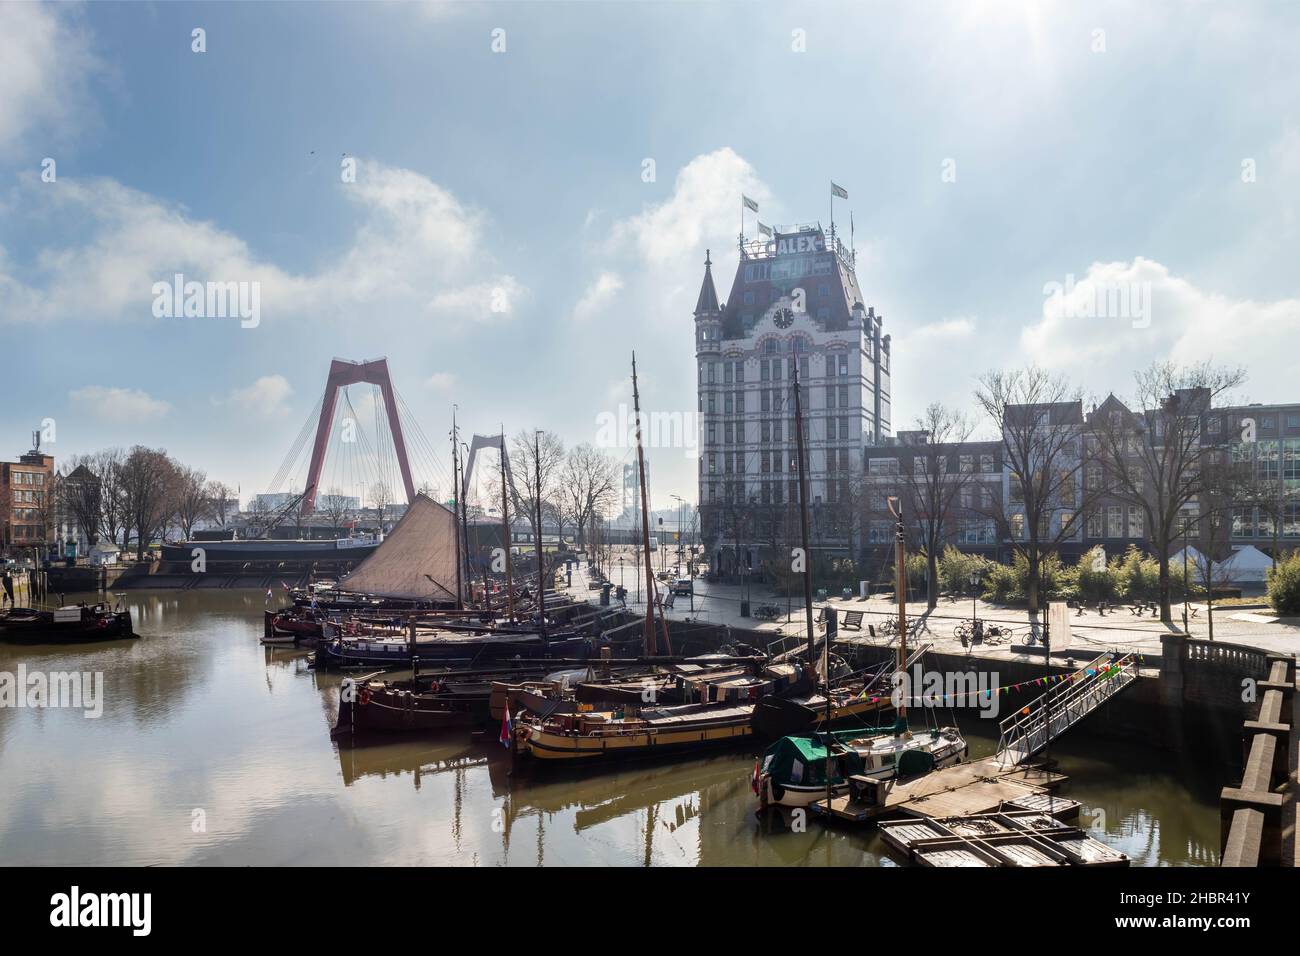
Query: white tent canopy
[417, 560]
[1248, 564]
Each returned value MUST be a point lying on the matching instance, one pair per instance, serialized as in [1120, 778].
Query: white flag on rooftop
[839, 191]
[749, 203]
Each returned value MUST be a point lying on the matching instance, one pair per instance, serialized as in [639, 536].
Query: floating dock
[1002, 839]
[981, 786]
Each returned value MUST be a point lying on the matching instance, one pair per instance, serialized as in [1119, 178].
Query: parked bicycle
[975, 632]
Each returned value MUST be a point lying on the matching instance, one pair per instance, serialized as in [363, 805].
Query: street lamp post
[1185, 544]
[974, 591]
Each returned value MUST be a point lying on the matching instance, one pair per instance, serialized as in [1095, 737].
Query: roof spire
[708, 300]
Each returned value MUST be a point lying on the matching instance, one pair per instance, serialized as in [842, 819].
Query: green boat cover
[801, 758]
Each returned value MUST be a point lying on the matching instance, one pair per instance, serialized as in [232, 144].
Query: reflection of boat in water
[76, 624]
[417, 758]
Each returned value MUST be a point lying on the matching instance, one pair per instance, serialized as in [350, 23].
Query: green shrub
[1091, 584]
[1005, 584]
[1284, 585]
[1137, 575]
[956, 567]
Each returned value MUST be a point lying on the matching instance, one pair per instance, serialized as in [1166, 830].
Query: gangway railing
[1034, 726]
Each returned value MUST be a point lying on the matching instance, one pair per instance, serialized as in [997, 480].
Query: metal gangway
[1033, 727]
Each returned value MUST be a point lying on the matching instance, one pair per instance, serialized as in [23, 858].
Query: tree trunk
[1166, 614]
[932, 579]
[1031, 584]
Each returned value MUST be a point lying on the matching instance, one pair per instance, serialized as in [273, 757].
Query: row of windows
[1258, 523]
[29, 497]
[771, 492]
[775, 430]
[36, 478]
[1266, 422]
[838, 460]
[920, 465]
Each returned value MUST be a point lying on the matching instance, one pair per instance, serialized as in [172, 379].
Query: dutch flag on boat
[507, 728]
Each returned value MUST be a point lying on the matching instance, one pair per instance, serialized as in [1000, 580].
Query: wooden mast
[900, 595]
[645, 521]
[803, 520]
[541, 570]
[505, 530]
[455, 467]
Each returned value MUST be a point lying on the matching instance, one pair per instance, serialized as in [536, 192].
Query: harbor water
[215, 750]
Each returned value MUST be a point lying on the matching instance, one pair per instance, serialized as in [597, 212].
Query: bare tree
[80, 494]
[1040, 419]
[219, 496]
[114, 518]
[192, 501]
[45, 503]
[530, 453]
[381, 496]
[931, 487]
[587, 488]
[334, 505]
[149, 486]
[1154, 456]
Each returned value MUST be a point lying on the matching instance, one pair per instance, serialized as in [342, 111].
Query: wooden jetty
[1002, 839]
[981, 786]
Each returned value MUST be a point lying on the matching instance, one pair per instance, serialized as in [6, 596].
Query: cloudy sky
[530, 205]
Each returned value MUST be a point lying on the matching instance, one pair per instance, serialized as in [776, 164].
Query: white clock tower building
[794, 304]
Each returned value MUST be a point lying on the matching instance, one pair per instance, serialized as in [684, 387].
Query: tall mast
[455, 467]
[505, 529]
[541, 570]
[900, 595]
[803, 521]
[645, 522]
[464, 531]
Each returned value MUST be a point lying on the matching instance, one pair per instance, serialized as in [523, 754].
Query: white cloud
[496, 299]
[1168, 317]
[45, 62]
[440, 381]
[266, 397]
[118, 406]
[706, 194]
[598, 297]
[954, 328]
[414, 241]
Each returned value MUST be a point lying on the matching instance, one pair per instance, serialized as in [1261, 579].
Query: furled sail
[416, 561]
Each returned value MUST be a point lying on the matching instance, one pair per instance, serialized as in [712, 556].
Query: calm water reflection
[199, 716]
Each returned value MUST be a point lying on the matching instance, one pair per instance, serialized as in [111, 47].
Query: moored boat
[76, 624]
